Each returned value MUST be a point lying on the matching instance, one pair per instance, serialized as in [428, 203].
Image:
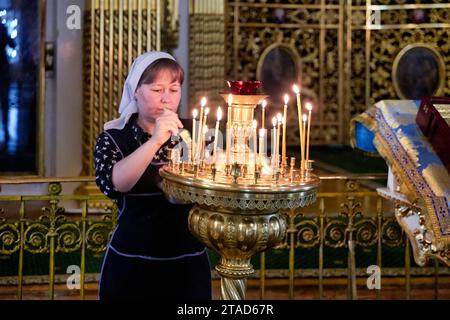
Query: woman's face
[154, 97]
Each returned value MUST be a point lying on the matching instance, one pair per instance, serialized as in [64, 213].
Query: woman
[152, 254]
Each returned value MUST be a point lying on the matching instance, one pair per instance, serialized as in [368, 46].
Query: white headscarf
[128, 104]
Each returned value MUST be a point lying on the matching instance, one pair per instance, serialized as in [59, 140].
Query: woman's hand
[165, 126]
[123, 178]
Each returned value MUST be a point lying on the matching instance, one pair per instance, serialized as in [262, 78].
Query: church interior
[368, 217]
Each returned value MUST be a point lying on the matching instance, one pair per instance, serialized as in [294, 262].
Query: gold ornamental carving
[237, 238]
[346, 49]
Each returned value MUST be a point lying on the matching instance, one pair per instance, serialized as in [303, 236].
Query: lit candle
[200, 128]
[205, 129]
[274, 139]
[230, 103]
[279, 120]
[216, 132]
[255, 146]
[263, 110]
[194, 116]
[228, 133]
[309, 108]
[305, 118]
[283, 149]
[300, 129]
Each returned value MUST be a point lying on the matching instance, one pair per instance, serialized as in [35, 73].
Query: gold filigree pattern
[391, 233]
[207, 52]
[262, 231]
[9, 237]
[35, 237]
[237, 237]
[68, 237]
[365, 229]
[234, 200]
[338, 53]
[366, 232]
[334, 236]
[387, 44]
[308, 235]
[98, 235]
[312, 32]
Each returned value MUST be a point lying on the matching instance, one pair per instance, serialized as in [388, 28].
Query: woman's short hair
[152, 71]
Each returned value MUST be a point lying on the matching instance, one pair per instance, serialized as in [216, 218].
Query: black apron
[152, 254]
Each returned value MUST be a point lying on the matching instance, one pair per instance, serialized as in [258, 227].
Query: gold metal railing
[53, 231]
[350, 216]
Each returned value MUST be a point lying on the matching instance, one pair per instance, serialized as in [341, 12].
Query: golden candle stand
[237, 206]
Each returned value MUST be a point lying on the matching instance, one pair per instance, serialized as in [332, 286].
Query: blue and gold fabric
[389, 128]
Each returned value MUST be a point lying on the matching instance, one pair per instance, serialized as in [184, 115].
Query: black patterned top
[149, 226]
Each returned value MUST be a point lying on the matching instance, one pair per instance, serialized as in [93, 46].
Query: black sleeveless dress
[151, 254]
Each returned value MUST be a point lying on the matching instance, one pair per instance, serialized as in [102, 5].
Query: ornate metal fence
[52, 230]
[349, 218]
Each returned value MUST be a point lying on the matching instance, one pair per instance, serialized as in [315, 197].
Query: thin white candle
[229, 127]
[216, 132]
[255, 146]
[205, 129]
[228, 142]
[305, 118]
[263, 110]
[274, 139]
[194, 116]
[200, 128]
[283, 150]
[300, 128]
[309, 108]
[279, 120]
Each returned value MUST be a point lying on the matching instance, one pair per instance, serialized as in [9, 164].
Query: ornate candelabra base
[237, 220]
[236, 235]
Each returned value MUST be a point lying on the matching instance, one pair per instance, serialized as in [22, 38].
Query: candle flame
[286, 99]
[203, 102]
[206, 111]
[279, 117]
[194, 113]
[274, 121]
[264, 104]
[219, 113]
[296, 89]
[305, 117]
[230, 100]
[308, 106]
[255, 124]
